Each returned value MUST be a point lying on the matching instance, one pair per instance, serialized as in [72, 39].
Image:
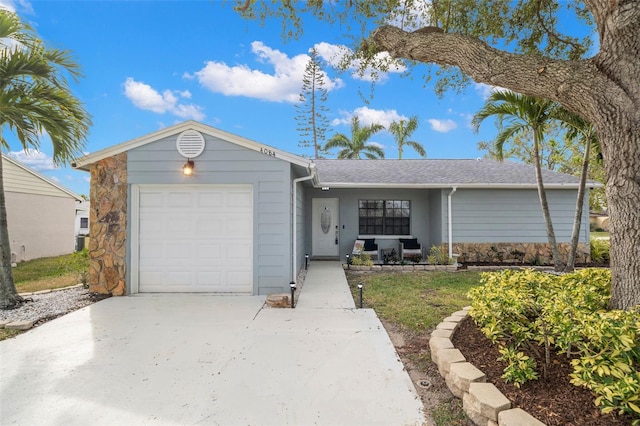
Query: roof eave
[42, 177]
[448, 185]
[84, 163]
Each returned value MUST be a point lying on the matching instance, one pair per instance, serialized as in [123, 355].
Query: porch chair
[366, 246]
[409, 248]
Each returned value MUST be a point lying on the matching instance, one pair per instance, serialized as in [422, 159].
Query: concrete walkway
[186, 359]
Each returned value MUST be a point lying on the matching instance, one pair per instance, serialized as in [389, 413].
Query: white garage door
[195, 239]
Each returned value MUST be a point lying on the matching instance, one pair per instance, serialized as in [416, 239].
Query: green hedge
[527, 312]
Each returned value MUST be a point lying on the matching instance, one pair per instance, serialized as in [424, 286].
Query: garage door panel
[206, 279]
[179, 199]
[151, 199]
[209, 223]
[179, 251]
[240, 278]
[240, 199]
[196, 239]
[151, 227]
[210, 200]
[209, 252]
[178, 225]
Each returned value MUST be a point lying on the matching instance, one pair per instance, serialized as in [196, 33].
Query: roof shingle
[435, 173]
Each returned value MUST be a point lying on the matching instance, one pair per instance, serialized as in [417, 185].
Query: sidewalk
[325, 287]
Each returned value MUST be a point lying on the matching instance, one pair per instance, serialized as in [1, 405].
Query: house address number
[269, 152]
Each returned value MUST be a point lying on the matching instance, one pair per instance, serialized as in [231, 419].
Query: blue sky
[149, 65]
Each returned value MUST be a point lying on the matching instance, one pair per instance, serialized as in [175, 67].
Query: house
[40, 213]
[83, 208]
[191, 208]
[82, 218]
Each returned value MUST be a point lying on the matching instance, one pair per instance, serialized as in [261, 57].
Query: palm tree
[518, 114]
[401, 130]
[35, 99]
[578, 127]
[352, 148]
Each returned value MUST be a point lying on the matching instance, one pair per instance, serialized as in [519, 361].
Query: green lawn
[50, 272]
[416, 301]
[604, 235]
[46, 274]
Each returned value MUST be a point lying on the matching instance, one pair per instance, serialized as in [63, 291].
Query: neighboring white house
[82, 217]
[40, 213]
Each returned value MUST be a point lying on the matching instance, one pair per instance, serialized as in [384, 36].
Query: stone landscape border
[482, 402]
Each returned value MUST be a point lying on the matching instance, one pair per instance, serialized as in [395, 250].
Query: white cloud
[368, 115]
[442, 126]
[283, 85]
[34, 159]
[8, 4]
[336, 56]
[410, 18]
[486, 90]
[147, 98]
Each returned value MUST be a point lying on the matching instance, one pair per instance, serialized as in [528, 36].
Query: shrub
[77, 263]
[362, 260]
[527, 311]
[437, 256]
[599, 250]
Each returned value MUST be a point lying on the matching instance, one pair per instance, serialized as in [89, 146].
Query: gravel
[47, 306]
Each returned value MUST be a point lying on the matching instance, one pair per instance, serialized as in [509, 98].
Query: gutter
[450, 220]
[294, 240]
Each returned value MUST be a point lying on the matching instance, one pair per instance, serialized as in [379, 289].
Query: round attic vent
[190, 143]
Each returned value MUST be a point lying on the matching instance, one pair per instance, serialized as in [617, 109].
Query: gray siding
[226, 163]
[300, 224]
[420, 217]
[436, 217]
[509, 215]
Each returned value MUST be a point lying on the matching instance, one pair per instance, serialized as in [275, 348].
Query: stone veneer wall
[531, 253]
[108, 226]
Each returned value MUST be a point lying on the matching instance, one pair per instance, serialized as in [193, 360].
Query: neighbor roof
[45, 179]
[437, 173]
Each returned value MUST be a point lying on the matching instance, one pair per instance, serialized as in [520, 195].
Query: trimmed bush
[599, 250]
[527, 312]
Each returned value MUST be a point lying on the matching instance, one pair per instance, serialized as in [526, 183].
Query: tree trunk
[8, 294]
[620, 139]
[551, 236]
[577, 220]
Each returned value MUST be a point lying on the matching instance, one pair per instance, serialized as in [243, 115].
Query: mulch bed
[554, 401]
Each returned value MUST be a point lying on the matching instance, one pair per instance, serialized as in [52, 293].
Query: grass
[414, 301]
[604, 235]
[50, 272]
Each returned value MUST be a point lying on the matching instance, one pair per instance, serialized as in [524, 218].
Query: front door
[326, 229]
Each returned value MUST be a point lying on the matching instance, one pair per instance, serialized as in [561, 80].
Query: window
[84, 222]
[384, 217]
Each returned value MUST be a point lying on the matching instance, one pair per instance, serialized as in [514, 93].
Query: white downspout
[294, 236]
[450, 221]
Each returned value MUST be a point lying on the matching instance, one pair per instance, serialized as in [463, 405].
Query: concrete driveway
[208, 360]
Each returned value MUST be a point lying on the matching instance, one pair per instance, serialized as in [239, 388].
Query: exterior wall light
[187, 169]
[325, 188]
